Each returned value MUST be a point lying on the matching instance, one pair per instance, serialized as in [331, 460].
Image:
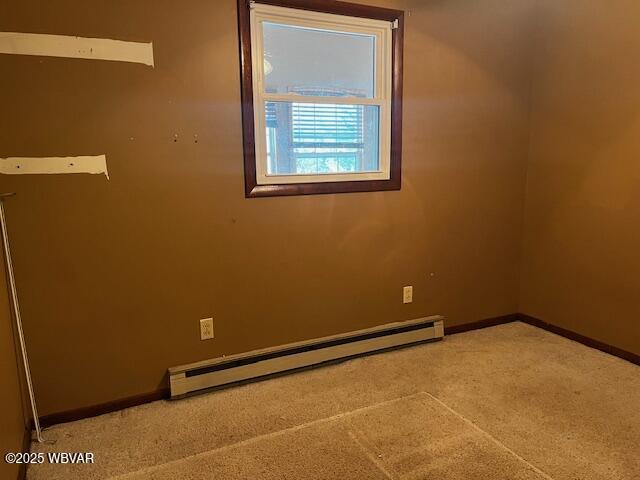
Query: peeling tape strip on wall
[54, 165]
[75, 47]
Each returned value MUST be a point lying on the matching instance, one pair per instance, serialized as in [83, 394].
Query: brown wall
[114, 275]
[581, 267]
[12, 424]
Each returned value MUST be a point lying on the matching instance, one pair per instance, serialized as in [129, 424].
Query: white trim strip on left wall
[75, 47]
[54, 165]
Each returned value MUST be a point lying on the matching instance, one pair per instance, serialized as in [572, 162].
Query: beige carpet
[509, 402]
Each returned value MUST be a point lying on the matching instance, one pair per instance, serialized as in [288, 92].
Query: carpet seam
[249, 441]
[371, 456]
[491, 437]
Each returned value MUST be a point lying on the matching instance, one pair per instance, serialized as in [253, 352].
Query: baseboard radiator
[218, 372]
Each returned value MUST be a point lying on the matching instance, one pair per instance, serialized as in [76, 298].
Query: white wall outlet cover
[206, 328]
[407, 294]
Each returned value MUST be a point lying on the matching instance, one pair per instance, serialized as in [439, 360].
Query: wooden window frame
[252, 188]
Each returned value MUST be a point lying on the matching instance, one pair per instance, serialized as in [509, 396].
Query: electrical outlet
[206, 328]
[407, 294]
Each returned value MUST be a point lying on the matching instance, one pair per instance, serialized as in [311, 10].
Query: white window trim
[382, 93]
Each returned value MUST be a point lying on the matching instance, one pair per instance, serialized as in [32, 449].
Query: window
[322, 97]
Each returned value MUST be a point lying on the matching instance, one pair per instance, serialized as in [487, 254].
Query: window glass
[309, 138]
[299, 59]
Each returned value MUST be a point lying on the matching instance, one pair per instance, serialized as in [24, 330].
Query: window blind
[317, 125]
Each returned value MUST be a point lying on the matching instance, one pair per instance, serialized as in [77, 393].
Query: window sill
[318, 188]
[322, 178]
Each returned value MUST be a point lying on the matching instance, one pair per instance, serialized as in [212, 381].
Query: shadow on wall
[458, 28]
[583, 199]
[594, 104]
